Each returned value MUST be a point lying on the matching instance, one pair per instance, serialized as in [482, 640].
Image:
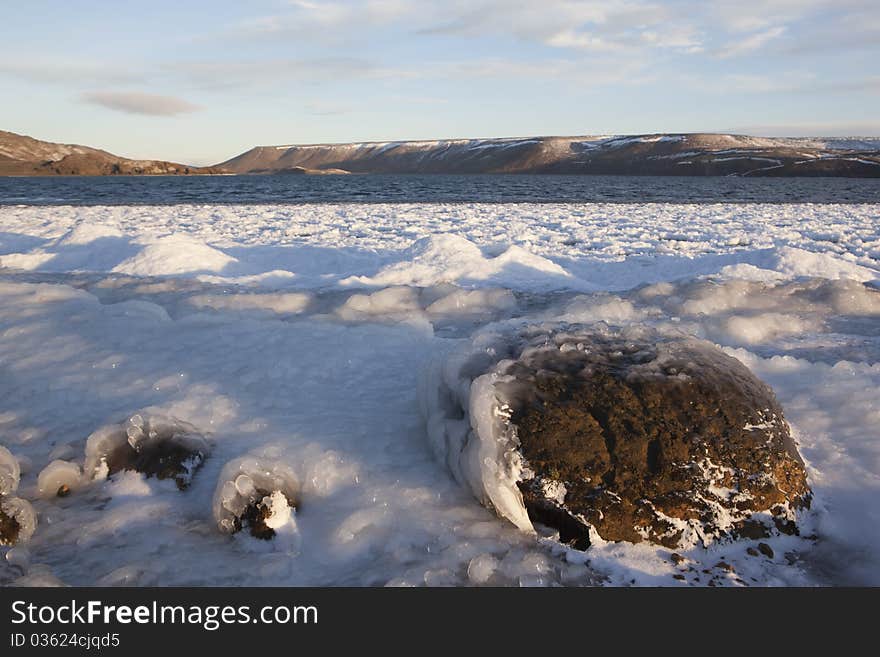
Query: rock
[634, 434]
[766, 550]
[151, 444]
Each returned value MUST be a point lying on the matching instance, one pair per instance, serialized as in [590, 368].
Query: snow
[294, 340]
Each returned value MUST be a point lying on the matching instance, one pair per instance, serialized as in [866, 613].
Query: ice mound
[175, 255]
[152, 444]
[788, 262]
[258, 494]
[448, 258]
[10, 472]
[88, 233]
[18, 520]
[632, 434]
[59, 479]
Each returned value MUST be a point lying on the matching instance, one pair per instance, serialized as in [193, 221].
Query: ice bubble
[59, 479]
[20, 557]
[18, 520]
[10, 472]
[481, 568]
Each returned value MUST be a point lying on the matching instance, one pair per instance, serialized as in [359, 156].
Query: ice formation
[257, 493]
[18, 520]
[10, 472]
[150, 443]
[59, 479]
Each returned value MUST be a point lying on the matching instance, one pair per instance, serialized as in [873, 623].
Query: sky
[199, 82]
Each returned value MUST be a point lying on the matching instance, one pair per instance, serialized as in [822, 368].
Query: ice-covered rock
[635, 434]
[10, 472]
[18, 520]
[256, 493]
[59, 479]
[152, 444]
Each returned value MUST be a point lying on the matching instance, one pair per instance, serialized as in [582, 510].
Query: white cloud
[750, 43]
[132, 102]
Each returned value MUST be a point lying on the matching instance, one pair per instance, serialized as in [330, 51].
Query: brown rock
[655, 438]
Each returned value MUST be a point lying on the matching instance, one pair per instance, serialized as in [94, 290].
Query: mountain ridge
[649, 154]
[22, 155]
[689, 154]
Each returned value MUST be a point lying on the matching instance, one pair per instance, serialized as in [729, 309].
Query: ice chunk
[10, 472]
[59, 479]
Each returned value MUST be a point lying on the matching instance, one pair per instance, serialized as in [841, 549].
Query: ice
[251, 480]
[473, 302]
[448, 258]
[20, 557]
[279, 303]
[175, 254]
[481, 568]
[114, 447]
[23, 513]
[10, 472]
[59, 479]
[295, 335]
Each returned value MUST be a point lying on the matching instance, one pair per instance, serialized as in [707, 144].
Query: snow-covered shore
[297, 333]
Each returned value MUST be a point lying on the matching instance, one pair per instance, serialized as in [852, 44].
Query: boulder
[634, 434]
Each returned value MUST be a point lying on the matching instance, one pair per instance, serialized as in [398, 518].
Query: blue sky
[200, 82]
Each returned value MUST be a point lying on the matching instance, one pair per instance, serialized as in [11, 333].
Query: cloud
[58, 70]
[132, 102]
[750, 43]
[237, 73]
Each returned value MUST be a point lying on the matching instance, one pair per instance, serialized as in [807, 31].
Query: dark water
[169, 190]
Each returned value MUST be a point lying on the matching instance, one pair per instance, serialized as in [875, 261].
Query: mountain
[657, 154]
[26, 156]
